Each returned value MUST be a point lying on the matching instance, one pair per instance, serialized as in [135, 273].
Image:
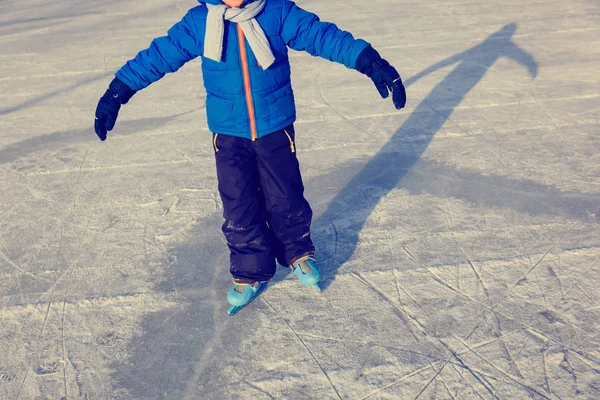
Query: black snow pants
[267, 218]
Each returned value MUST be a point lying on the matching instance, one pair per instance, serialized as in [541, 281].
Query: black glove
[385, 77]
[109, 105]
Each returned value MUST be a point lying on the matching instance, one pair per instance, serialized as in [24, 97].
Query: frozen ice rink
[459, 237]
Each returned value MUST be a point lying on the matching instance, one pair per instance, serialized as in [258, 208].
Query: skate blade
[234, 309]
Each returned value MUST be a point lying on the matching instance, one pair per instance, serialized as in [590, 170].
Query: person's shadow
[353, 205]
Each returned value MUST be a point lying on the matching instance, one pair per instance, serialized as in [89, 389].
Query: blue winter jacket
[243, 99]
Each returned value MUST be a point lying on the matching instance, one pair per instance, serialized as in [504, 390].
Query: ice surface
[459, 237]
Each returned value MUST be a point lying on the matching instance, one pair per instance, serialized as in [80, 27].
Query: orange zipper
[247, 89]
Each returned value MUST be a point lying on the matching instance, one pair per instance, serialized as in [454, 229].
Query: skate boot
[307, 271]
[242, 293]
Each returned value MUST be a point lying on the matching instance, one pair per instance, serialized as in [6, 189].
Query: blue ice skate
[307, 271]
[241, 294]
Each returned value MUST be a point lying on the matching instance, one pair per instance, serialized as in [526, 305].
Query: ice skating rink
[459, 237]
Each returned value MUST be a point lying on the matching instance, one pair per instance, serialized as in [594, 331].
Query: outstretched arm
[303, 30]
[165, 54]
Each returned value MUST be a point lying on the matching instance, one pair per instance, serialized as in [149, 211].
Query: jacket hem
[247, 134]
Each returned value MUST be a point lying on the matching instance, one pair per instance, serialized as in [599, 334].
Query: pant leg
[288, 213]
[245, 228]
[278, 248]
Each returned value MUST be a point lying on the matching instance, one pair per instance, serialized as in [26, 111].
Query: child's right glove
[385, 77]
[109, 105]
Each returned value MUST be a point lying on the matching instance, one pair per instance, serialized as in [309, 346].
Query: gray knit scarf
[215, 30]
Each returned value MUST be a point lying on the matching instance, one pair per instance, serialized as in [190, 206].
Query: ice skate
[242, 293]
[307, 271]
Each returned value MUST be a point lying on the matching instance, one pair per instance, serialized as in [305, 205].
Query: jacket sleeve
[303, 30]
[165, 54]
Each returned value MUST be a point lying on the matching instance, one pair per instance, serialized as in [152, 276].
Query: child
[251, 111]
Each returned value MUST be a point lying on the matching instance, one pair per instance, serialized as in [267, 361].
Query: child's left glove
[109, 105]
[385, 77]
